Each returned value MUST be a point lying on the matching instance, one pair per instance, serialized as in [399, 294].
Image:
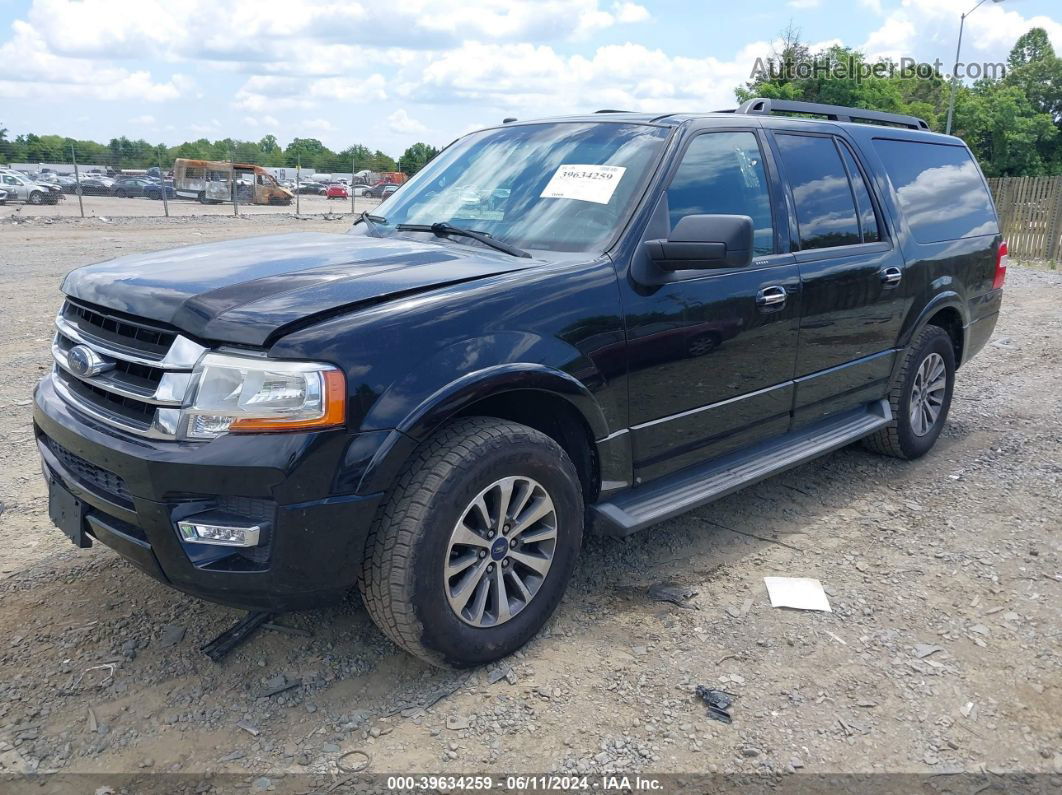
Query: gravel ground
[941, 654]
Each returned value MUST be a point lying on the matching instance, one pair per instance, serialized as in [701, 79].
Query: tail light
[1002, 258]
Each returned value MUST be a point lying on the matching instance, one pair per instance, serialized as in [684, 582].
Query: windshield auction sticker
[584, 183]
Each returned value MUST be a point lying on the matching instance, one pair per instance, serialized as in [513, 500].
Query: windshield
[561, 187]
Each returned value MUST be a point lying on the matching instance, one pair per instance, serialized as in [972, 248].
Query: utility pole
[77, 181]
[955, 67]
[351, 188]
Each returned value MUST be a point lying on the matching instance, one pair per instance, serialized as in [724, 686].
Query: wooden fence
[1030, 214]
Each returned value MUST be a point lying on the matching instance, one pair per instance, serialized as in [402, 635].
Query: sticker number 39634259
[584, 183]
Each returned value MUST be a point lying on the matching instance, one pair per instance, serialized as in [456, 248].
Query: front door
[855, 289]
[711, 352]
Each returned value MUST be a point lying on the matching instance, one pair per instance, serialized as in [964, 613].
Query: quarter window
[722, 173]
[825, 207]
[939, 188]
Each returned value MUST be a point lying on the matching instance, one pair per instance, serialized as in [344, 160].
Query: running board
[642, 506]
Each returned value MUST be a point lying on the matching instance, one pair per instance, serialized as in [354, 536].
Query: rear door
[854, 286]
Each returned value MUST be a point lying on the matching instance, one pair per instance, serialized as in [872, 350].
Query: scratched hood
[245, 291]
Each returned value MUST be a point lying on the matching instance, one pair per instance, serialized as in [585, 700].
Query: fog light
[199, 532]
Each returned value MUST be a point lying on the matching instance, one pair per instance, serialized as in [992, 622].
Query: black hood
[245, 291]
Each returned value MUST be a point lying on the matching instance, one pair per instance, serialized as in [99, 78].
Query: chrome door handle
[771, 296]
[891, 275]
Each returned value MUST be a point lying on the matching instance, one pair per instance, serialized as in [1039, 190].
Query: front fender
[462, 374]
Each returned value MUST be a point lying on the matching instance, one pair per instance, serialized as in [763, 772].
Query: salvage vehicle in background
[620, 316]
[213, 181]
[336, 191]
[22, 188]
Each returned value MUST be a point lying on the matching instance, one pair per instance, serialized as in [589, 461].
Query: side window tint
[868, 219]
[722, 174]
[825, 208]
[939, 188]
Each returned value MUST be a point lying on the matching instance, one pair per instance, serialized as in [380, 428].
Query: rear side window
[940, 190]
[722, 173]
[825, 207]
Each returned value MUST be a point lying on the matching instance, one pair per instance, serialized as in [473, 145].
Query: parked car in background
[336, 191]
[68, 183]
[128, 188]
[381, 191]
[155, 189]
[3, 196]
[22, 188]
[96, 186]
[315, 188]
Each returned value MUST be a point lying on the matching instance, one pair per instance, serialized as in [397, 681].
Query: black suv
[607, 319]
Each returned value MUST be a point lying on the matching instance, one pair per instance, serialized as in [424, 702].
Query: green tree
[416, 157]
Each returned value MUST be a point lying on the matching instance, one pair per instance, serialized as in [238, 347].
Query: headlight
[243, 393]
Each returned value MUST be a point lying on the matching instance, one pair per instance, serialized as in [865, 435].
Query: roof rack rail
[611, 110]
[762, 105]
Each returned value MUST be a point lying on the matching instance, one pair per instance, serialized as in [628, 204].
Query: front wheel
[36, 197]
[920, 397]
[473, 550]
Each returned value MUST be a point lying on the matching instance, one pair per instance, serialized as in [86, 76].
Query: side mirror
[701, 242]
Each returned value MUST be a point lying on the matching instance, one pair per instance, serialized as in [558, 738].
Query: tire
[36, 197]
[403, 583]
[120, 193]
[202, 197]
[901, 437]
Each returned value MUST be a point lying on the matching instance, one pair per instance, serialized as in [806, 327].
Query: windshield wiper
[368, 218]
[444, 229]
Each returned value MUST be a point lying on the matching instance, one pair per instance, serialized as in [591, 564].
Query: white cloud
[922, 28]
[804, 4]
[538, 79]
[401, 122]
[147, 119]
[32, 70]
[251, 30]
[628, 13]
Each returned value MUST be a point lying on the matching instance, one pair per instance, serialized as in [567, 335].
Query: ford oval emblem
[86, 363]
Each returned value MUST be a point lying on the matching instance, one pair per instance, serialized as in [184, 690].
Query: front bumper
[135, 490]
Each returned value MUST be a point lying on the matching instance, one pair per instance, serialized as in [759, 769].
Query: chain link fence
[85, 185]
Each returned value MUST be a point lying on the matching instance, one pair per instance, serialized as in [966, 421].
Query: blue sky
[388, 74]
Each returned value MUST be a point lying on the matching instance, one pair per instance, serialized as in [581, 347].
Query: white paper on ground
[584, 183]
[803, 593]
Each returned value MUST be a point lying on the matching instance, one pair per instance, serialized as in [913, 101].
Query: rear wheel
[473, 549]
[120, 193]
[920, 397]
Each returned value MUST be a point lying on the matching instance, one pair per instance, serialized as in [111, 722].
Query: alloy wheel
[500, 551]
[927, 394]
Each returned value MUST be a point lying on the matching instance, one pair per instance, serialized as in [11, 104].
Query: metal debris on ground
[718, 702]
[672, 592]
[232, 637]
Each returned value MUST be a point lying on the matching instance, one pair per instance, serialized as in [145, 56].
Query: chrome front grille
[147, 369]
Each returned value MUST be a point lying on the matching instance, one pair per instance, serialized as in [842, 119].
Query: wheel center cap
[499, 548]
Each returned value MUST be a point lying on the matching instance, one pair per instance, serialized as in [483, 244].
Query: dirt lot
[941, 654]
